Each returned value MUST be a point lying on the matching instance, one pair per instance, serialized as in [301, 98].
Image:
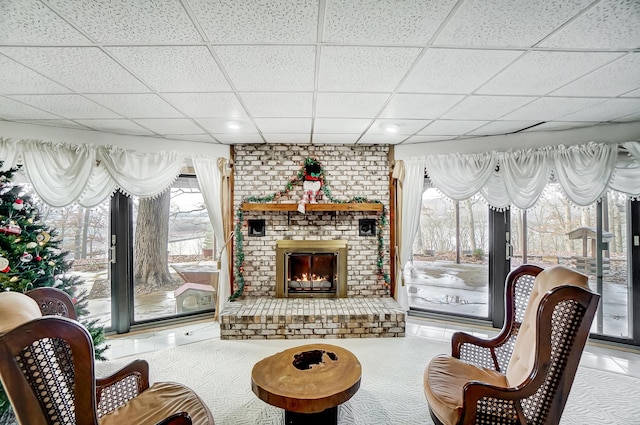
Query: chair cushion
[160, 400]
[444, 381]
[16, 309]
[524, 350]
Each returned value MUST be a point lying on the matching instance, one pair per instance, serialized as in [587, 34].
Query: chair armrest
[118, 388]
[476, 350]
[494, 398]
[180, 418]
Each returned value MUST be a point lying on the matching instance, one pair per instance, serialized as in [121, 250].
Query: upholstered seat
[524, 374]
[47, 370]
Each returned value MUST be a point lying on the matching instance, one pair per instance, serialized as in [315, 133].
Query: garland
[326, 190]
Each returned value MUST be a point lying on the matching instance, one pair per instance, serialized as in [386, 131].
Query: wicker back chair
[524, 374]
[47, 370]
[53, 302]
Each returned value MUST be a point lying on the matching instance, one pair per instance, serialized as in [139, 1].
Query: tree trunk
[472, 226]
[151, 268]
[85, 232]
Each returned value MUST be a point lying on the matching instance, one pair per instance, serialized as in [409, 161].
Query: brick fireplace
[351, 171]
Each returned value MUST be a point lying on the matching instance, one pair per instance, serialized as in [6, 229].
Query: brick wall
[363, 171]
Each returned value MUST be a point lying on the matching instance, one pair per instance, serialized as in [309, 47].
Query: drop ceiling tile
[153, 21]
[298, 139]
[606, 111]
[203, 138]
[349, 105]
[173, 68]
[284, 125]
[456, 70]
[450, 127]
[383, 21]
[66, 105]
[425, 139]
[501, 127]
[381, 139]
[56, 123]
[257, 21]
[335, 139]
[364, 69]
[12, 110]
[628, 118]
[394, 127]
[18, 79]
[116, 126]
[269, 68]
[136, 105]
[239, 139]
[612, 80]
[635, 93]
[201, 105]
[223, 125]
[30, 21]
[610, 24]
[279, 105]
[340, 125]
[538, 73]
[485, 107]
[170, 126]
[83, 69]
[420, 106]
[559, 125]
[512, 23]
[550, 108]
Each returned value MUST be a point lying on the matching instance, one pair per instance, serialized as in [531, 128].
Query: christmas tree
[31, 257]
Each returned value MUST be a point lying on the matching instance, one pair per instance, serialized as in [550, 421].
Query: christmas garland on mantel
[326, 189]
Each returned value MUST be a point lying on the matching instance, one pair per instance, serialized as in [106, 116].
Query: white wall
[606, 133]
[18, 131]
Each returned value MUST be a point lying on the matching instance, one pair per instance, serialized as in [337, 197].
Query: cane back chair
[524, 374]
[47, 370]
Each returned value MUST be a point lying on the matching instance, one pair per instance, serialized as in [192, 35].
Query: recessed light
[391, 128]
[232, 125]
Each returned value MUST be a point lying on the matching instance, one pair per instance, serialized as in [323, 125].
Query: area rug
[391, 387]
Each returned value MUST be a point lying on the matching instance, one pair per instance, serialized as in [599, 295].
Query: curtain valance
[63, 174]
[518, 178]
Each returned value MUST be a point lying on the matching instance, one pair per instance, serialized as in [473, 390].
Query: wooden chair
[53, 302]
[47, 370]
[524, 374]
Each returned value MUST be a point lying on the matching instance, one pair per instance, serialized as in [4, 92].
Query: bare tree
[151, 269]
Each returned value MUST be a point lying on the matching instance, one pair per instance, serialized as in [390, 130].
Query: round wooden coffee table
[308, 382]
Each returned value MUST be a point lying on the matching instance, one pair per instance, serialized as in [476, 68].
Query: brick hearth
[296, 318]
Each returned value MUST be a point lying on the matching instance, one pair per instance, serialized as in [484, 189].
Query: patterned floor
[604, 392]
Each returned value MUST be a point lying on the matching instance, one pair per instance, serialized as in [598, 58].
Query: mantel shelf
[248, 206]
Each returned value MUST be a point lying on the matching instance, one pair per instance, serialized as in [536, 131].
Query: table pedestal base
[326, 417]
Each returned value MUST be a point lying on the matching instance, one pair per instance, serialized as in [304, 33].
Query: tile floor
[596, 355]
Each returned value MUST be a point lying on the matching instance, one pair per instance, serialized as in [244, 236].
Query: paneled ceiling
[319, 71]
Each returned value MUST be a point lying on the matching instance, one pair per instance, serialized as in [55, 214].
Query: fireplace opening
[312, 272]
[310, 268]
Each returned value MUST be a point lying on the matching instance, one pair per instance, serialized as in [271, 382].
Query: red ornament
[18, 204]
[38, 258]
[10, 229]
[6, 270]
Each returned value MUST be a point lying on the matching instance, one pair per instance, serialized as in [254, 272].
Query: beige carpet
[390, 391]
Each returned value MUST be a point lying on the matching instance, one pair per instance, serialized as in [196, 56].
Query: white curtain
[412, 184]
[63, 174]
[461, 176]
[518, 178]
[8, 153]
[210, 181]
[584, 171]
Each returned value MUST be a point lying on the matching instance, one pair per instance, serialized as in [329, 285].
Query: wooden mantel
[354, 206]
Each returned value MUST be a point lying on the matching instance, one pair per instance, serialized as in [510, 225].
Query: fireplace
[313, 269]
